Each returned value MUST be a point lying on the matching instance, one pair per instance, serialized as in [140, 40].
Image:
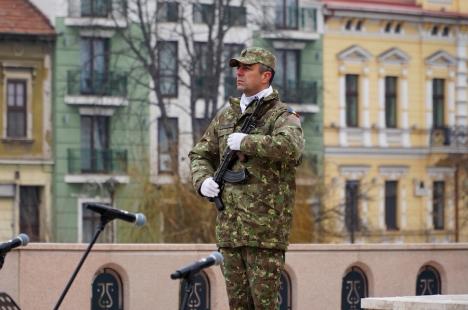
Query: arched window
[428, 281]
[285, 292]
[349, 24]
[107, 292]
[353, 288]
[435, 30]
[199, 296]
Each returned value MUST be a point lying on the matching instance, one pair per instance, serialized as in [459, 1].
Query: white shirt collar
[245, 101]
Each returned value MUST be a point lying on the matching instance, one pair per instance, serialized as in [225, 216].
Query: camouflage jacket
[259, 211]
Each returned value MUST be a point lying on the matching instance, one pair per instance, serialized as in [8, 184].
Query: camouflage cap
[254, 55]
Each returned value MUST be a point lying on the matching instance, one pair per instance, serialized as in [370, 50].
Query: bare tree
[319, 217]
[199, 58]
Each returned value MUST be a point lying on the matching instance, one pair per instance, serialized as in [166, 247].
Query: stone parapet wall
[35, 275]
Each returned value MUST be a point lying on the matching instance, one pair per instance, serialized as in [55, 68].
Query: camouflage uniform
[258, 214]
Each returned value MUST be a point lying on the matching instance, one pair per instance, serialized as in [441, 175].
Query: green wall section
[128, 127]
[311, 69]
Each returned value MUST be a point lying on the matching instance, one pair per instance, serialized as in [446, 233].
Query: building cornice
[395, 14]
[26, 162]
[376, 151]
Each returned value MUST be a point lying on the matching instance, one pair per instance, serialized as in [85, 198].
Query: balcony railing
[456, 136]
[290, 18]
[107, 161]
[298, 92]
[82, 82]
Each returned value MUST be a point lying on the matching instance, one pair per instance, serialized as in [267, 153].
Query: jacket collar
[234, 102]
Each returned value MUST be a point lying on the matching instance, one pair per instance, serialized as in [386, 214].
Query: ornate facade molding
[394, 56]
[393, 172]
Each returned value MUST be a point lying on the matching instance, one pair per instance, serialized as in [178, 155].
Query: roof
[21, 17]
[404, 7]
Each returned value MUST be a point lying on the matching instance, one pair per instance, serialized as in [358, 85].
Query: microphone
[111, 213]
[22, 239]
[215, 258]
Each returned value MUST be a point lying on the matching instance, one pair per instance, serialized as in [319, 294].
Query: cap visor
[234, 62]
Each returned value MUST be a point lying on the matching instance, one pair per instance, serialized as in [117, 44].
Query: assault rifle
[223, 174]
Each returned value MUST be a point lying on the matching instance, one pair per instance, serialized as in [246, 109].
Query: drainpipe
[456, 203]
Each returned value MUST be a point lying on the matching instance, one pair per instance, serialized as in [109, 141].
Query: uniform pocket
[223, 132]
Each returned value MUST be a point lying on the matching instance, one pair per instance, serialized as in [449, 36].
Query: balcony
[92, 161]
[291, 22]
[97, 13]
[81, 82]
[454, 138]
[299, 92]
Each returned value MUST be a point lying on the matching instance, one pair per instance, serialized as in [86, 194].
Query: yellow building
[26, 46]
[395, 120]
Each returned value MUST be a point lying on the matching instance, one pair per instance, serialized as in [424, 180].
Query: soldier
[252, 232]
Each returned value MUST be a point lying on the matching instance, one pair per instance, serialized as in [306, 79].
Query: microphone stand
[189, 279]
[102, 224]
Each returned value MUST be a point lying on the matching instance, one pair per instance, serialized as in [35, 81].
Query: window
[391, 101]
[203, 79]
[438, 101]
[391, 204]
[230, 88]
[446, 31]
[168, 68]
[236, 16]
[94, 54]
[356, 25]
[287, 14]
[438, 204]
[16, 108]
[168, 11]
[352, 84]
[30, 202]
[398, 28]
[392, 27]
[203, 13]
[388, 27]
[167, 145]
[90, 221]
[95, 153]
[199, 127]
[201, 52]
[287, 74]
[95, 8]
[435, 30]
[352, 207]
[359, 25]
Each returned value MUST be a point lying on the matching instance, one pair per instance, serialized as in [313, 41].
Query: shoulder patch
[291, 111]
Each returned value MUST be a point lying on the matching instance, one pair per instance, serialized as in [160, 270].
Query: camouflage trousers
[252, 277]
